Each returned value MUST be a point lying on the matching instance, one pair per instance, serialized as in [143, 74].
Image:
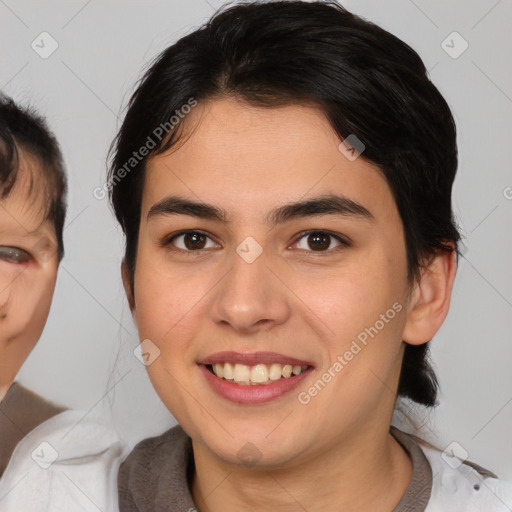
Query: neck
[3, 389]
[370, 471]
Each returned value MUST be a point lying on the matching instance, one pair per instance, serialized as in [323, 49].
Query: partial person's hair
[366, 81]
[23, 131]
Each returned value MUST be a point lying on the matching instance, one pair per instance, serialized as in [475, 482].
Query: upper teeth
[257, 374]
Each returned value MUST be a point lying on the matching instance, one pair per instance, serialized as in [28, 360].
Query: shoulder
[69, 462]
[21, 394]
[169, 450]
[460, 485]
[155, 470]
[21, 411]
[171, 447]
[27, 408]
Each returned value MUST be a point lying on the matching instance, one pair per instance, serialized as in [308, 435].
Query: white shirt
[459, 487]
[67, 463]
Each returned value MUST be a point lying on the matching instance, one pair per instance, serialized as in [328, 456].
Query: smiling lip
[253, 359]
[253, 394]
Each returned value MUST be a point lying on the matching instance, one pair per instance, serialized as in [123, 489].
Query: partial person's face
[305, 307]
[28, 271]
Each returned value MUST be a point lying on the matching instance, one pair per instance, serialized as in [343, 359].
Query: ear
[430, 298]
[125, 274]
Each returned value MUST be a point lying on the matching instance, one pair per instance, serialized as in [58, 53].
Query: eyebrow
[323, 205]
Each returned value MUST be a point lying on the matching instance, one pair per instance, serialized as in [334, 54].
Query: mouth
[253, 378]
[258, 375]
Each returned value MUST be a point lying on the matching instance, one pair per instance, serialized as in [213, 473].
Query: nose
[251, 297]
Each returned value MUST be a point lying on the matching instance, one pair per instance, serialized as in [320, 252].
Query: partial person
[51, 458]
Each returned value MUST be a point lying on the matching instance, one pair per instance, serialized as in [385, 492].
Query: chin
[250, 444]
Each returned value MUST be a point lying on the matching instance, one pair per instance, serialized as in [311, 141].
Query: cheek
[15, 305]
[362, 318]
[165, 299]
[25, 303]
[353, 297]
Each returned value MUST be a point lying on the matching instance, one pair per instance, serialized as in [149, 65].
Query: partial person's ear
[430, 298]
[125, 274]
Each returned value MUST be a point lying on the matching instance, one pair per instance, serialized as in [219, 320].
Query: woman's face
[261, 289]
[28, 271]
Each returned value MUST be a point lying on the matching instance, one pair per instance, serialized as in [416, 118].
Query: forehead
[253, 158]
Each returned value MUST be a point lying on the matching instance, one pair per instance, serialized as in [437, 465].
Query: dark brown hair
[23, 130]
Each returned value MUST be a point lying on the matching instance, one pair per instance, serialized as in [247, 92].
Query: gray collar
[156, 476]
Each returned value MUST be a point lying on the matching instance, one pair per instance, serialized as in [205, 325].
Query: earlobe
[430, 298]
[125, 274]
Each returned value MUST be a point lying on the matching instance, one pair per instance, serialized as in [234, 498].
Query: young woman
[283, 177]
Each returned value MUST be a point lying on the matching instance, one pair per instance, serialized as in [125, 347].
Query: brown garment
[156, 476]
[21, 411]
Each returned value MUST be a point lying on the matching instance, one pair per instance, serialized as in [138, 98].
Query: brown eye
[320, 241]
[194, 241]
[14, 254]
[190, 241]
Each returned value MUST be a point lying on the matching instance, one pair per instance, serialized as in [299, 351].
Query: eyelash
[6, 254]
[167, 242]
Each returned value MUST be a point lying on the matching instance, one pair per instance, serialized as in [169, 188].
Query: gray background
[85, 356]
